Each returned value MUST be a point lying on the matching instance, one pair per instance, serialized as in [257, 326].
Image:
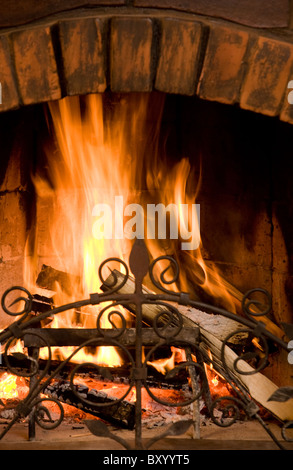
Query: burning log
[259, 387]
[77, 336]
[213, 330]
[49, 278]
[216, 324]
[212, 335]
[43, 302]
[220, 326]
[121, 413]
[237, 297]
[119, 374]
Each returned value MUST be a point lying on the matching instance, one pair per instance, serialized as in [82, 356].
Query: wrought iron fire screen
[167, 328]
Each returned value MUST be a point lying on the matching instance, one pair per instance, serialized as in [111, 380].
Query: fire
[164, 365]
[217, 383]
[88, 170]
[8, 387]
[104, 152]
[12, 387]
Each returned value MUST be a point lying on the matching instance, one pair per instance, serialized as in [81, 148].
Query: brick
[13, 224]
[222, 70]
[280, 272]
[179, 52]
[10, 97]
[245, 277]
[18, 12]
[36, 65]
[227, 237]
[11, 274]
[83, 56]
[282, 244]
[131, 54]
[17, 137]
[262, 14]
[270, 62]
[15, 172]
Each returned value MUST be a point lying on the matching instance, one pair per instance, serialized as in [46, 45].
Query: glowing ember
[8, 387]
[12, 387]
[218, 385]
[215, 381]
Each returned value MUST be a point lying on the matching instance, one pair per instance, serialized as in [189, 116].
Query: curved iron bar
[166, 336]
[186, 364]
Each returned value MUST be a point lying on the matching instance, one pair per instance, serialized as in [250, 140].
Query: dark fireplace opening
[146, 222]
[240, 172]
[239, 166]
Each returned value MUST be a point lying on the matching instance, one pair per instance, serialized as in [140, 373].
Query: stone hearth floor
[246, 435]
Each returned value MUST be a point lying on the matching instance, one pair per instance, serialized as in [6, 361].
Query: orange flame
[12, 387]
[166, 364]
[103, 152]
[218, 385]
[8, 386]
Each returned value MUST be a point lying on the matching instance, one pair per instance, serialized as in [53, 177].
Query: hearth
[114, 110]
[168, 322]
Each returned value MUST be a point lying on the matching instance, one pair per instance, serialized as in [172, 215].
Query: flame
[100, 152]
[217, 383]
[8, 387]
[164, 365]
[88, 170]
[12, 387]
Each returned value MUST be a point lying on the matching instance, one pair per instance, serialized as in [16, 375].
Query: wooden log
[76, 336]
[217, 324]
[195, 385]
[48, 277]
[118, 374]
[42, 303]
[259, 387]
[225, 322]
[121, 413]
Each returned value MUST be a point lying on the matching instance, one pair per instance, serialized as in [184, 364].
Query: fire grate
[168, 328]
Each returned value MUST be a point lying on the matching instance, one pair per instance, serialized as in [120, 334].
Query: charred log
[254, 383]
[77, 336]
[216, 324]
[117, 375]
[49, 278]
[120, 413]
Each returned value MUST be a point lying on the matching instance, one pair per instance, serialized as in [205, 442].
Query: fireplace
[182, 106]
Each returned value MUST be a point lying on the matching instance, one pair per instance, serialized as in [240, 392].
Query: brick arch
[145, 50]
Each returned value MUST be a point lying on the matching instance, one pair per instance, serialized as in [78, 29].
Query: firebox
[146, 221]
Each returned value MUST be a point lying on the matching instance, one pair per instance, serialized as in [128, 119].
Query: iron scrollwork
[167, 331]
